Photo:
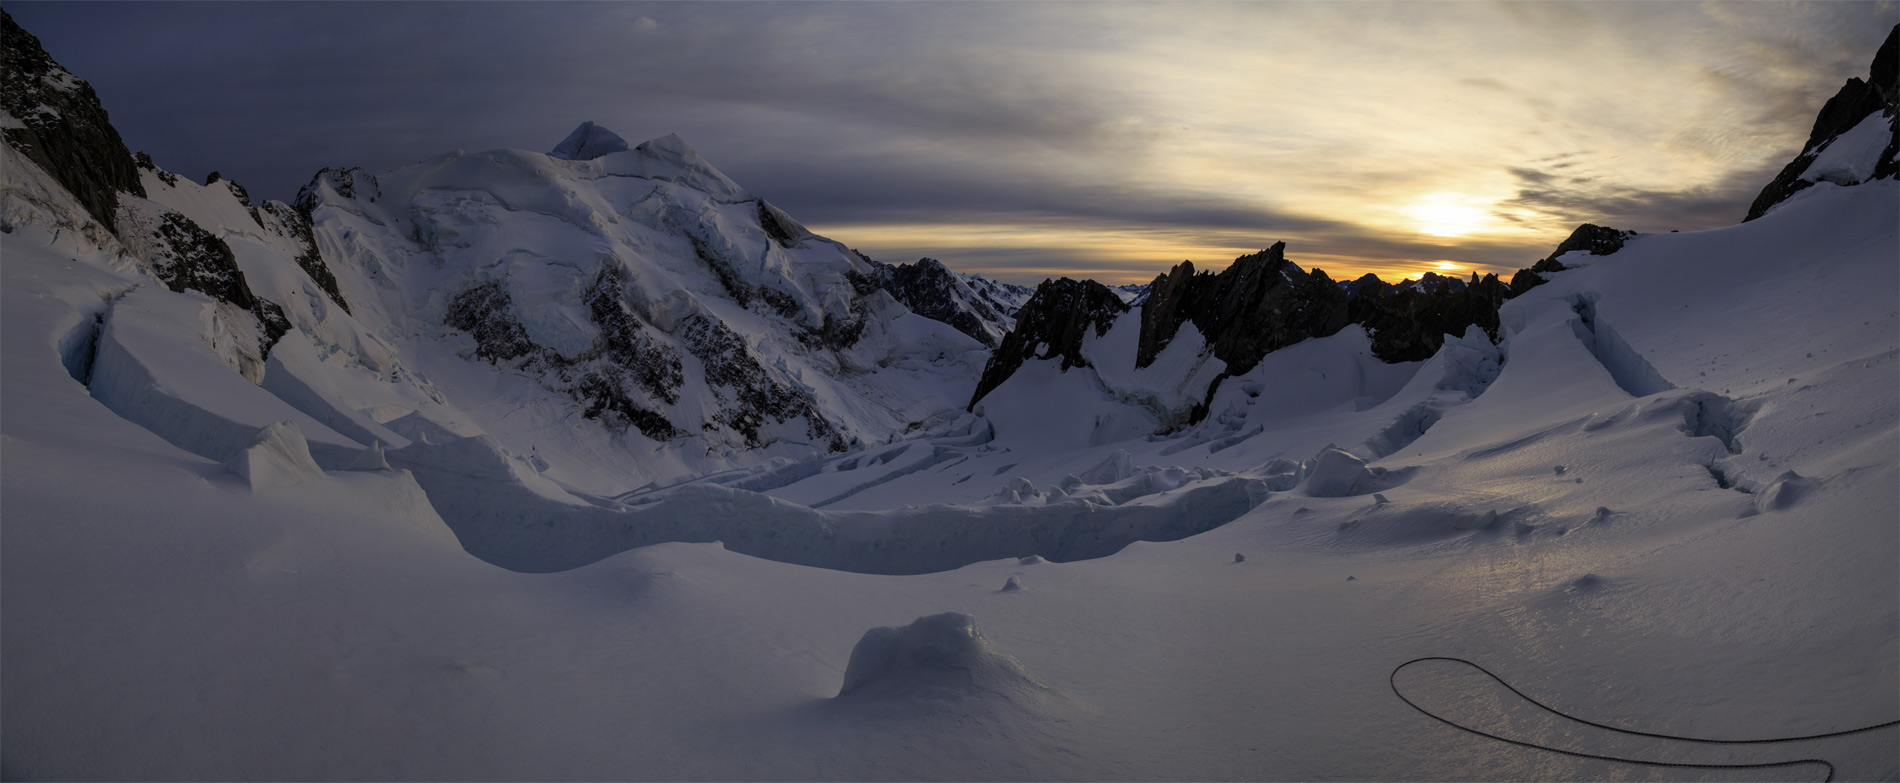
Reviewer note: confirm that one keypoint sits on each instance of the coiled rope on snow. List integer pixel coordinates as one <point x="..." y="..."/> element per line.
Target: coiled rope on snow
<point x="1392" y="680"/>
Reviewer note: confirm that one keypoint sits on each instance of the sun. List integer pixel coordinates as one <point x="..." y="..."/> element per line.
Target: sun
<point x="1446" y="215"/>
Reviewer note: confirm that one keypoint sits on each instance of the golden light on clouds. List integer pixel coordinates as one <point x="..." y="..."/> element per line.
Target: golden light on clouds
<point x="1389" y="138"/>
<point x="1447" y="215"/>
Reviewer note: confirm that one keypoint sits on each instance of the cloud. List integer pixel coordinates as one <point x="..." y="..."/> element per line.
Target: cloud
<point x="1561" y="199"/>
<point x="1124" y="136"/>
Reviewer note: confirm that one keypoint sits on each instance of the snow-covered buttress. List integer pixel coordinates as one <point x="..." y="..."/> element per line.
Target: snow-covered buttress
<point x="1855" y="137"/>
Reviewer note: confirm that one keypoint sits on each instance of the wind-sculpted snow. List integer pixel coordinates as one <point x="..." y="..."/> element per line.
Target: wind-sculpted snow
<point x="1335" y="473"/>
<point x="277" y="457"/>
<point x="156" y="366"/>
<point x="490" y="501"/>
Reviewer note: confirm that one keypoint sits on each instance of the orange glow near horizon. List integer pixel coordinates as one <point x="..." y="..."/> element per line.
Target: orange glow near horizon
<point x="1116" y="256"/>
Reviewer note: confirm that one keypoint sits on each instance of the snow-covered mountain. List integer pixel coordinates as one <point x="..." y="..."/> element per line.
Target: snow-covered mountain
<point x="635" y="297"/>
<point x="612" y="314"/>
<point x="362" y="487"/>
<point x="977" y="306"/>
<point x="1132" y="294"/>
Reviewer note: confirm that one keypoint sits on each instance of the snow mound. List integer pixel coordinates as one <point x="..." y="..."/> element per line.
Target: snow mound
<point x="277" y="457"/>
<point x="587" y="142"/>
<point x="1786" y="490"/>
<point x="1337" y="473"/>
<point x="943" y="656"/>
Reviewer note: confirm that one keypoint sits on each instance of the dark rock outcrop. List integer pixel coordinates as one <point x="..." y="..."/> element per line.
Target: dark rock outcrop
<point x="65" y="130"/>
<point x="1261" y="303"/>
<point x="750" y="397"/>
<point x="1594" y="239"/>
<point x="1591" y="238"/>
<point x="1408" y="323"/>
<point x="186" y="257"/>
<point x="1853" y="103"/>
<point x="780" y="226"/>
<point x="1053" y="323"/>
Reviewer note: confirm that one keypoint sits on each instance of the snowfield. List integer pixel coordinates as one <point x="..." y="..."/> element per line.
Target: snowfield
<point x="593" y="465"/>
<point x="1714" y="557"/>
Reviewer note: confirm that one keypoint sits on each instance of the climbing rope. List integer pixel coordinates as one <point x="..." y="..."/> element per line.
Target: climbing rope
<point x="1393" y="680"/>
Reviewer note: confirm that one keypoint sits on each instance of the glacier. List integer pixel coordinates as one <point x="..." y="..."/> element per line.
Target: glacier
<point x="594" y="464"/>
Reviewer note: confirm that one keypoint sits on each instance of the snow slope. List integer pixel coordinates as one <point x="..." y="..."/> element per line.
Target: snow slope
<point x="1570" y="535"/>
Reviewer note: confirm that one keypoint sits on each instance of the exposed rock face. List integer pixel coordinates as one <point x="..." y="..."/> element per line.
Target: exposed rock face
<point x="931" y="290"/>
<point x="750" y="396"/>
<point x="1408" y="322"/>
<point x="788" y="233"/>
<point x="1053" y="323"/>
<point x="1594" y="239"/>
<point x="187" y="257"/>
<point x="1855" y="102"/>
<point x="620" y="380"/>
<point x="63" y="128"/>
<point x="1261" y="303"/>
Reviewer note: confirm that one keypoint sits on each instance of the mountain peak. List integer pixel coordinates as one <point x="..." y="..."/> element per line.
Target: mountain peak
<point x="589" y="141"/>
<point x="671" y="146"/>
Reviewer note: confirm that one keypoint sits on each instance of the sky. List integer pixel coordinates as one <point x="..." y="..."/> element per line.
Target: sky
<point x="1025" y="140"/>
